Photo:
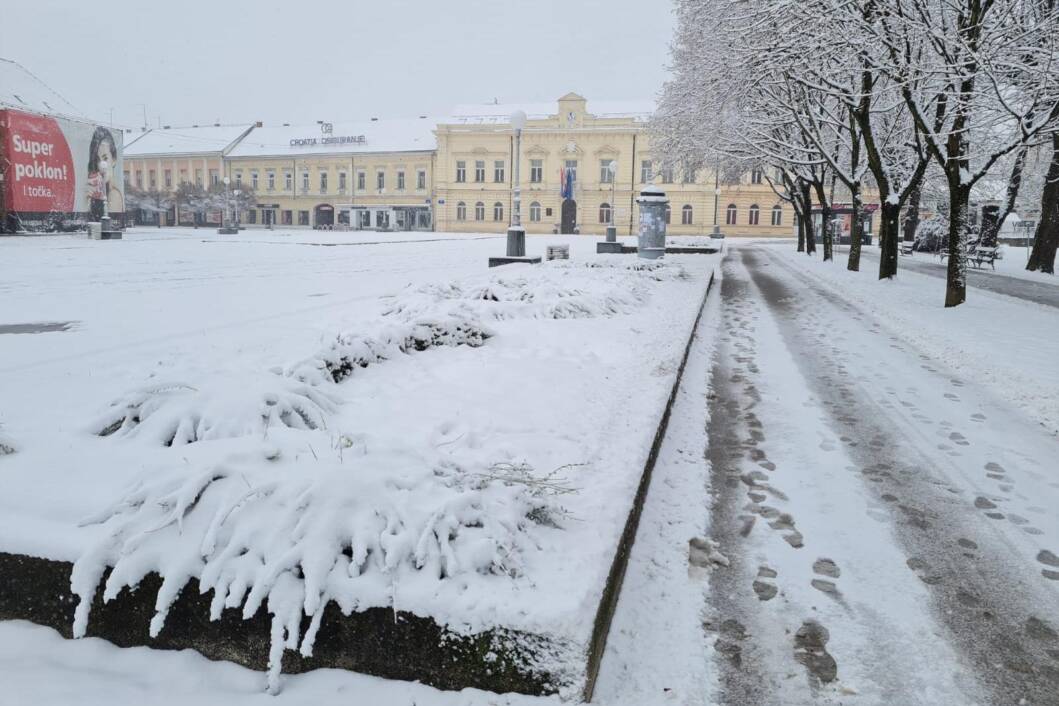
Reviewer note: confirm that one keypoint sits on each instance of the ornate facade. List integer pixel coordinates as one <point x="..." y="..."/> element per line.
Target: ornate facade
<point x="456" y="173"/>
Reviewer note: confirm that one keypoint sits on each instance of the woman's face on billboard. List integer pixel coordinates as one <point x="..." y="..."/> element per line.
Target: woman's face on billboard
<point x="106" y="152"/>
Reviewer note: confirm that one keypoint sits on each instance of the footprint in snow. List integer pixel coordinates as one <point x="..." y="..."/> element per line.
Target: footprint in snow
<point x="764" y="586"/>
<point x="1051" y="560"/>
<point x="810" y="650"/>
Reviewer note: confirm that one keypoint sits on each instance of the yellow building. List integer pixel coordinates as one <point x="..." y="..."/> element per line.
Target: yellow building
<point x="456" y="174"/>
<point x="374" y="174"/>
<point x="607" y="150"/>
<point x="165" y="158"/>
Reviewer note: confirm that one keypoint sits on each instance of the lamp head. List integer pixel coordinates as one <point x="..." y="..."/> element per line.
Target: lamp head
<point x="518" y="120"/>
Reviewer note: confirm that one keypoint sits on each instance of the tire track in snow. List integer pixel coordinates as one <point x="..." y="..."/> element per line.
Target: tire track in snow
<point x="817" y="606"/>
<point x="997" y="610"/>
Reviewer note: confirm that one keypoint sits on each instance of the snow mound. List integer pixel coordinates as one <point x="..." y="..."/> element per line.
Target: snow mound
<point x="561" y="290"/>
<point x="223" y="406"/>
<point x="351" y="351"/>
<point x="265" y="521"/>
<point x="345" y="528"/>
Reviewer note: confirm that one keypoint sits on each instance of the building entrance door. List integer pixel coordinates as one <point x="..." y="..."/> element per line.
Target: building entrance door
<point x="569" y="217"/>
<point x="325" y="215"/>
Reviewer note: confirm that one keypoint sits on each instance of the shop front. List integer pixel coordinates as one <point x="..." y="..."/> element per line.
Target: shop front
<point x="387" y="218"/>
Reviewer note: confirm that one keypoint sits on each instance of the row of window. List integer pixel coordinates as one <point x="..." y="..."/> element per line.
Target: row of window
<point x="606" y="213"/>
<point x="731" y="215"/>
<point x="288" y="183"/>
<point x="607" y="172"/>
<point x="479" y="211"/>
<point x="167" y="178"/>
<point x="362" y="178"/>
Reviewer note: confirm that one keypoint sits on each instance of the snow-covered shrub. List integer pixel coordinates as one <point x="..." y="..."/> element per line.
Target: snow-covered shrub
<point x="274" y="525"/>
<point x="932" y="235"/>
<point x="223" y="406"/>
<point x="561" y="290"/>
<point x="6" y="446"/>
<point x="360" y="532"/>
<point x="236" y="404"/>
<point x="348" y="352"/>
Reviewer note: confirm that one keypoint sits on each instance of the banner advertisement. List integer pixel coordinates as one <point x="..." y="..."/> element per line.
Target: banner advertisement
<point x="58" y="172"/>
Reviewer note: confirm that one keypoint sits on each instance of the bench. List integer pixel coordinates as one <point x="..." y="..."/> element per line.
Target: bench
<point x="906" y="247"/>
<point x="979" y="256"/>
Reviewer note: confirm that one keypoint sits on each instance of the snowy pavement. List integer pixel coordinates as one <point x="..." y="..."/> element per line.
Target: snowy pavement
<point x="856" y="502"/>
<point x="192" y="416"/>
<point x="891" y="523"/>
<point x="1008" y="278"/>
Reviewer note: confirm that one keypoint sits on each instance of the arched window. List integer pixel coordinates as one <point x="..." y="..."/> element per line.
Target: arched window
<point x="604" y="213"/>
<point x="461" y="211"/>
<point x="498" y="211"/>
<point x="686" y="215"/>
<point x="535" y="212"/>
<point x="479" y="211"/>
<point x="755" y="214"/>
<point x="669" y="214"/>
<point x="777" y="215"/>
<point x="729" y="217"/>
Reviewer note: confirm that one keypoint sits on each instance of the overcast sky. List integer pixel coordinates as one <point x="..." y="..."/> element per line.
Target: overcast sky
<point x="199" y="61"/>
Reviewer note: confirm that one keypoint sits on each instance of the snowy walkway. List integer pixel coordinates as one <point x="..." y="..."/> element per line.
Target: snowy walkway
<point x="884" y="490"/>
<point x="1033" y="287"/>
<point x="891" y="524"/>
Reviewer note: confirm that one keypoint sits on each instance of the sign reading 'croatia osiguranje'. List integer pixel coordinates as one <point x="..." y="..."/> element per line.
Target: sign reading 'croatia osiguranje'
<point x="58" y="166"/>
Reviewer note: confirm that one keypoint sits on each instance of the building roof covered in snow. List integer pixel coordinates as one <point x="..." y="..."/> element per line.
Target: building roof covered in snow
<point x="500" y="113"/>
<point x="347" y="137"/>
<point x="215" y="139"/>
<point x="21" y="90"/>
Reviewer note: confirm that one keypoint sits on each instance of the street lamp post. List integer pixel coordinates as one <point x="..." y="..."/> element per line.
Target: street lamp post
<point x="226" y="224"/>
<point x="104" y="169"/>
<point x="227" y="204"/>
<point x="716" y="202"/>
<point x="236" y="192"/>
<point x="516" y="234"/>
<point x="105" y="230"/>
<point x="612" y="230"/>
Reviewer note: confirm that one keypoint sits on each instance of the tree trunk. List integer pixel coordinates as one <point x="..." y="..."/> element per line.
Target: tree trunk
<point x="956" y="281"/>
<point x="889" y="230"/>
<point x="802" y="209"/>
<point x="829" y="241"/>
<point x="911" y="223"/>
<point x="810" y="235"/>
<point x="1042" y="257"/>
<point x="855" y="235"/>
<point x="826" y="215"/>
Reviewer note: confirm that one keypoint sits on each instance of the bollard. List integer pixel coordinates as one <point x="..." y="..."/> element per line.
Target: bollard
<point x="652" y="242"/>
<point x="516" y="241"/>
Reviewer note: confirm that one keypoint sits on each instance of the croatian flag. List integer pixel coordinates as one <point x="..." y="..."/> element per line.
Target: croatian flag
<point x="566" y="183"/>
